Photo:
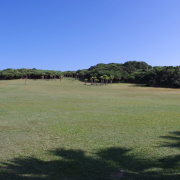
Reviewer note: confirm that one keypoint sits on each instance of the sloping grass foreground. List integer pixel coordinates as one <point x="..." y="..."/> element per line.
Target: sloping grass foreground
<point x="66" y="130"/>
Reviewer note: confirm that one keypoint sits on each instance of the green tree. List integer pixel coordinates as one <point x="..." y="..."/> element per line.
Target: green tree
<point x="111" y="78"/>
<point x="102" y="79"/>
<point x="85" y="81"/>
<point x="105" y="79"/>
<point x="95" y="81"/>
<point x="26" y="77"/>
<point x="92" y="80"/>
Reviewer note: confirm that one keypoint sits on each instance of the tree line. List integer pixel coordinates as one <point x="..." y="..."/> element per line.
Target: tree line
<point x="34" y="73"/>
<point x="129" y="72"/>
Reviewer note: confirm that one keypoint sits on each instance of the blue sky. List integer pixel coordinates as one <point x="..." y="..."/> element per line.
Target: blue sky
<point x="76" y="34"/>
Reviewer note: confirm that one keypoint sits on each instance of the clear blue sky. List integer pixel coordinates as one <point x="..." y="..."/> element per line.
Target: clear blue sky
<point x="76" y="34"/>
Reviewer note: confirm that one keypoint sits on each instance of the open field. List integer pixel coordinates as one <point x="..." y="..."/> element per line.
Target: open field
<point x="66" y="130"/>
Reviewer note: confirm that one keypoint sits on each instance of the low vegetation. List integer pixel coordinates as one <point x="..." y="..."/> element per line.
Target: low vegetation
<point x="68" y="130"/>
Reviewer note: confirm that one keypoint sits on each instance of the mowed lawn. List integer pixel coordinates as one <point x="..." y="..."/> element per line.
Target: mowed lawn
<point x="67" y="130"/>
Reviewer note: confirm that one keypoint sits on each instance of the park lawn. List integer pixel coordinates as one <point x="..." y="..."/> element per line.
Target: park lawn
<point x="67" y="130"/>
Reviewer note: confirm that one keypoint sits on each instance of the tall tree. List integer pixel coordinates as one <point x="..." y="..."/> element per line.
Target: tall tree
<point x="26" y="78"/>
<point x="111" y="78"/>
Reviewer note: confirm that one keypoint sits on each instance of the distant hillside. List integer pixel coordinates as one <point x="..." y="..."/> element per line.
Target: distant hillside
<point x="132" y="72"/>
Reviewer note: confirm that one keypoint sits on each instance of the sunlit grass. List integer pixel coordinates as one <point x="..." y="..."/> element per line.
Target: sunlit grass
<point x="46" y="115"/>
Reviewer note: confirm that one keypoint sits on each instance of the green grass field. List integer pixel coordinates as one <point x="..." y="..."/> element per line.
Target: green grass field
<point x="66" y="130"/>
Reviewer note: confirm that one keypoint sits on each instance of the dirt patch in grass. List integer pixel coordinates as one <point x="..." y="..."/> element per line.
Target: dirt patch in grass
<point x="5" y="128"/>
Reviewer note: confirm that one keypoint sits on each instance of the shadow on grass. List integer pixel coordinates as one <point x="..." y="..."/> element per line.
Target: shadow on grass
<point x="172" y="161"/>
<point x="145" y="85"/>
<point x="110" y="163"/>
<point x="139" y="85"/>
